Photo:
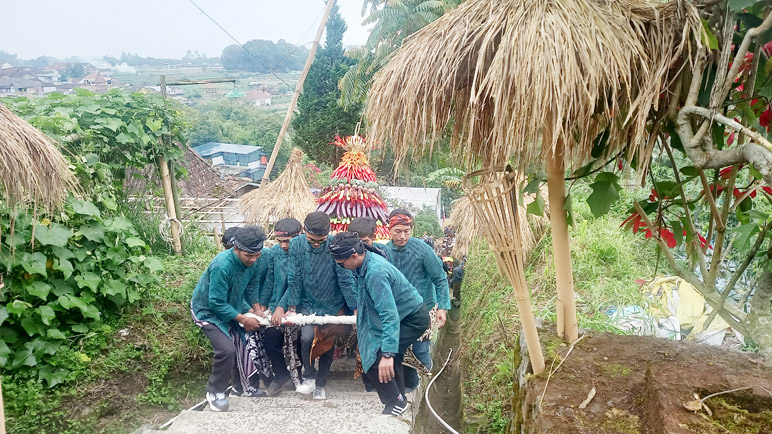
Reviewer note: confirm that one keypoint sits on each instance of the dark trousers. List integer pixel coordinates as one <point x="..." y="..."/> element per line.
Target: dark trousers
<point x="325" y="360"/>
<point x="224" y="367"/>
<point x="273" y="340"/>
<point x="410" y="329"/>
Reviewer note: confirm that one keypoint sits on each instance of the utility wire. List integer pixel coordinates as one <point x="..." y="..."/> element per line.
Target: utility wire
<point x="297" y="45"/>
<point x="239" y="43"/>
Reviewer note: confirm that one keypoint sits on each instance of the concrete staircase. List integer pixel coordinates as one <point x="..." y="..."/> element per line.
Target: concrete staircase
<point x="347" y="409"/>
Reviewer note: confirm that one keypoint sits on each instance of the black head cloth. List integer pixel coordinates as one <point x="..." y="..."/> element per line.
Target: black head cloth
<point x="317" y="223"/>
<point x="249" y="239"/>
<point x="288" y="227"/>
<point x="345" y="244"/>
<point x="228" y="235"/>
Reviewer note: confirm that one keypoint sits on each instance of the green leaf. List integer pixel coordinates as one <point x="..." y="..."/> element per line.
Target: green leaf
<point x="117" y="254"/>
<point x="154" y="124"/>
<point x="3" y="314"/>
<point x="678" y="232"/>
<point x="61" y="287"/>
<point x="52" y="235"/>
<point x="62" y="252"/>
<point x="39" y="290"/>
<point x="605" y="191"/>
<point x="119" y="224"/>
<point x="533" y="185"/>
<point x="46" y="314"/>
<point x="17" y="307"/>
<point x="83" y="207"/>
<point x="537" y="206"/>
<point x="88" y="280"/>
<point x="35" y="264"/>
<point x="744" y="234"/>
<point x="154" y="265"/>
<point x="689" y="171"/>
<point x="64" y="266"/>
<point x="56" y="334"/>
<point x="52" y="376"/>
<point x="94" y="231"/>
<point x="114" y="288"/>
<point x="123" y="138"/>
<point x="79" y="328"/>
<point x="738" y="6"/>
<point x="708" y="38"/>
<point x="92" y="312"/>
<point x="68" y="301"/>
<point x="569" y="208"/>
<point x="24" y="356"/>
<point x="4" y="353"/>
<point x="135" y="242"/>
<point x="31" y="326"/>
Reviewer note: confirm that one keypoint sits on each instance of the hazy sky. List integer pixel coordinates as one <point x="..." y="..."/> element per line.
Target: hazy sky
<point x="161" y="28"/>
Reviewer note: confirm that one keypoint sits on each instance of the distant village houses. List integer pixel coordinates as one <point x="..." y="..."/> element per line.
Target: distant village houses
<point x="28" y="81"/>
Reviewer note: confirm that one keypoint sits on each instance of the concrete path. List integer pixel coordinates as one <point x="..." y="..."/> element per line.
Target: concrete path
<point x="347" y="409"/>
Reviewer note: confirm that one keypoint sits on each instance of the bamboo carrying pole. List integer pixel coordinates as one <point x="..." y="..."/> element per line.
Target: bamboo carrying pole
<point x="296" y="95"/>
<point x="494" y="201"/>
<point x="173" y="177"/>
<point x="567" y="327"/>
<point x="168" y="196"/>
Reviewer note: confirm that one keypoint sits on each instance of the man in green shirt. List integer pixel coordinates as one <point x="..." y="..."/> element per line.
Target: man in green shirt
<point x="227" y="290"/>
<point x="423" y="269"/>
<point x="274" y="295"/>
<point x="391" y="315"/>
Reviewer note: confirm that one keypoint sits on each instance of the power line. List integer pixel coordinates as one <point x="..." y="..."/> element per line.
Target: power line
<point x="239" y="43"/>
<point x="297" y="44"/>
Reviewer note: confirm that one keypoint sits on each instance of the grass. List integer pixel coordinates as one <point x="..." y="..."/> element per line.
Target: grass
<point x="606" y="262"/>
<point x="144" y="365"/>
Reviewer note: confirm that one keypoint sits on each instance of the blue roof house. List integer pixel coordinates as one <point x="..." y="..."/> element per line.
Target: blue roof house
<point x="252" y="158"/>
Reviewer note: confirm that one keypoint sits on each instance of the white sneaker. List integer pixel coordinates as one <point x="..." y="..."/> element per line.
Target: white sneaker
<point x="307" y="386"/>
<point x="217" y="401"/>
<point x="319" y="393"/>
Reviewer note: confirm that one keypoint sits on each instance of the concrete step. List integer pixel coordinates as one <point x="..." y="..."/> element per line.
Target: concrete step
<point x="348" y="408"/>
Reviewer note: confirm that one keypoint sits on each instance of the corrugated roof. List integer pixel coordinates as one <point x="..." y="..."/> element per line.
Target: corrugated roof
<point x="211" y="148"/>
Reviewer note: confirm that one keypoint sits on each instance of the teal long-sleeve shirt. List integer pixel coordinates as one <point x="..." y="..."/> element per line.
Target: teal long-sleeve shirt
<point x="274" y="292"/>
<point x="384" y="299"/>
<point x="423" y="269"/>
<point x="226" y="289"/>
<point x="315" y="282"/>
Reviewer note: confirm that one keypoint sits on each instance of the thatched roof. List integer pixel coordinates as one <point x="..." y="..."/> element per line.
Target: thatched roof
<point x="31" y="166"/>
<point x="287" y="196"/>
<point x="515" y="77"/>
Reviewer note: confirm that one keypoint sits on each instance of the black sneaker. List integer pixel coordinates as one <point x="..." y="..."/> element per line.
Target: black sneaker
<point x="257" y="393"/>
<point x="397" y="408"/>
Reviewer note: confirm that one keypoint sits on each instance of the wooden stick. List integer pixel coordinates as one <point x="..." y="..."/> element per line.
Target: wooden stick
<point x="561" y="248"/>
<point x="167" y="185"/>
<point x="296" y="95"/>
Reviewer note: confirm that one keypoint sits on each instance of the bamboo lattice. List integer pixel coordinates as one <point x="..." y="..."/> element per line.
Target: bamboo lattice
<point x="494" y="200"/>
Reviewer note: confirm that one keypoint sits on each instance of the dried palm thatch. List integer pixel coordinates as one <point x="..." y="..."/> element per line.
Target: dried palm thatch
<point x="287" y="196"/>
<point x="518" y="76"/>
<point x="462" y="217"/>
<point x="32" y="169"/>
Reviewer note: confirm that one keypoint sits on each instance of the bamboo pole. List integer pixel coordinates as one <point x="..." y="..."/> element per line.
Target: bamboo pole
<point x="173" y="177"/>
<point x="296" y="95"/>
<point x="567" y="327"/>
<point x="167" y="186"/>
<point x="2" y="408"/>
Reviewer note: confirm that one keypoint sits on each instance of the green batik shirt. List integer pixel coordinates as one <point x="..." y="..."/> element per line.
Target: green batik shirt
<point x="274" y="292"/>
<point x="227" y="288"/>
<point x="315" y="282"/>
<point x="423" y="269"/>
<point x="384" y="299"/>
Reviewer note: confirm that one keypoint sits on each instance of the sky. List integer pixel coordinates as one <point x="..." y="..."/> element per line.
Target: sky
<point x="162" y="28"/>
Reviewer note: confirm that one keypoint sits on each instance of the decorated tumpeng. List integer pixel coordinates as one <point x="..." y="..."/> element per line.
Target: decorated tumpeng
<point x="353" y="190"/>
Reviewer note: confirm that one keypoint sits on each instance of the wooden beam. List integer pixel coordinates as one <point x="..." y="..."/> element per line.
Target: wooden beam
<point x="296" y="95"/>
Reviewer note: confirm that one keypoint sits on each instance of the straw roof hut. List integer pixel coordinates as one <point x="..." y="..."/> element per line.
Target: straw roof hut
<point x="517" y="76"/>
<point x="539" y="80"/>
<point x="32" y="169"/>
<point x="287" y="196"/>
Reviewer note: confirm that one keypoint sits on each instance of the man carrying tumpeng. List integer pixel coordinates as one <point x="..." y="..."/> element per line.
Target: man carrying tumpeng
<point x="316" y="285"/>
<point x="274" y="295"/>
<point x="391" y="315"/>
<point x="423" y="269"/>
<point x="227" y="290"/>
<point x="365" y="227"/>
